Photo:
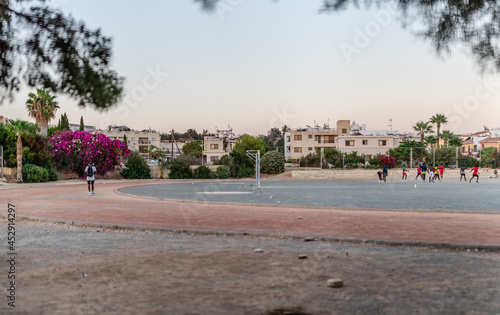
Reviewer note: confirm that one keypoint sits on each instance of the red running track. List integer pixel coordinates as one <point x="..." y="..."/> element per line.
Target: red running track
<point x="71" y="202"/>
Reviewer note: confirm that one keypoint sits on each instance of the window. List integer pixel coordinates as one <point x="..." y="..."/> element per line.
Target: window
<point x="329" y="139"/>
<point x="365" y="142"/>
<point x="297" y="150"/>
<point x="297" y="137"/>
<point x="310" y="148"/>
<point x="482" y="146"/>
<point x="310" y="136"/>
<point x="382" y="143"/>
<point x="349" y="143"/>
<point x="317" y="139"/>
<point x="344" y="130"/>
<point x="214" y="146"/>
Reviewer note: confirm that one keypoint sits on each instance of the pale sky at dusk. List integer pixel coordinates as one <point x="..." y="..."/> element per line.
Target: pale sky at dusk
<point x="265" y="63"/>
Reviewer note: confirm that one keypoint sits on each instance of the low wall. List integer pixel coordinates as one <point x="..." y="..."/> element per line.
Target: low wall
<point x="9" y="171"/>
<point x="394" y="173"/>
<point x="155" y="170"/>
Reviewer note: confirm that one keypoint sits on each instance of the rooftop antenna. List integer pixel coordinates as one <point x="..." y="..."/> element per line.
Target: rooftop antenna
<point x="390" y="123"/>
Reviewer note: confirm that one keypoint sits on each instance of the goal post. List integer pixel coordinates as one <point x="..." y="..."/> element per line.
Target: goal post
<point x="255" y="156"/>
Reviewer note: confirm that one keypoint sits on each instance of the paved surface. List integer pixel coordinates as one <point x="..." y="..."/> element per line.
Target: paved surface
<point x="69" y="201"/>
<point x="449" y="195"/>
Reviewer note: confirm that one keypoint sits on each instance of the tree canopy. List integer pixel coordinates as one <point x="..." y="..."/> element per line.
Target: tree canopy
<point x="42" y="47"/>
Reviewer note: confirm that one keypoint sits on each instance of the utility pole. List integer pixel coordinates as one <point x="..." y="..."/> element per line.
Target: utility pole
<point x="411" y="157"/>
<point x="1" y="159"/>
<point x="321" y="158"/>
<point x="173" y="140"/>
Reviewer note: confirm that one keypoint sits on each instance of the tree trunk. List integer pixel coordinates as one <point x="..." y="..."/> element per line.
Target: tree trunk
<point x="438" y="127"/>
<point x="19" y="159"/>
<point x="44" y="128"/>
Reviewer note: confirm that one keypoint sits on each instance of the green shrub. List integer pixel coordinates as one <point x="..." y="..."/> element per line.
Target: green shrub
<point x="224" y="160"/>
<point x="180" y="169"/>
<point x="310" y="160"/>
<point x="289" y="160"/>
<point x="272" y="162"/>
<point x="468" y="161"/>
<point x="52" y="173"/>
<point x="245" y="172"/>
<point x="222" y="172"/>
<point x="239" y="162"/>
<point x="136" y="167"/>
<point x="202" y="172"/>
<point x="34" y="174"/>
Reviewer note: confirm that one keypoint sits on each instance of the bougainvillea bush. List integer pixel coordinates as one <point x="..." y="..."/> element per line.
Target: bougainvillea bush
<point x="73" y="150"/>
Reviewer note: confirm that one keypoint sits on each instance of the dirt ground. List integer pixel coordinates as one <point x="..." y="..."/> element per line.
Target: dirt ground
<point x="65" y="269"/>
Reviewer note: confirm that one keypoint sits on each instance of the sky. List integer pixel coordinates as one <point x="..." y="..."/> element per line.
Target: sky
<point x="260" y="64"/>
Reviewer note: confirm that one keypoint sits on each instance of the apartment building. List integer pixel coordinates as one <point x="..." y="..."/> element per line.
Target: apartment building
<point x="472" y="145"/>
<point x="302" y="141"/>
<point x="369" y="145"/>
<point x="490" y="142"/>
<point x="169" y="147"/>
<point x="222" y="143"/>
<point x="76" y="127"/>
<point x="139" y="141"/>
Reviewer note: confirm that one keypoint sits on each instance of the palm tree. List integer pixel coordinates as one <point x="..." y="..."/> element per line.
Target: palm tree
<point x="42" y="106"/>
<point x="284" y="129"/>
<point x="438" y="120"/>
<point x="20" y="128"/>
<point x="163" y="163"/>
<point x="422" y="128"/>
<point x="431" y="140"/>
<point x="455" y="141"/>
<point x="447" y="136"/>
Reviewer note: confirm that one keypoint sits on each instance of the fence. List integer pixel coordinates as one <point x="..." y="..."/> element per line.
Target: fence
<point x="402" y="156"/>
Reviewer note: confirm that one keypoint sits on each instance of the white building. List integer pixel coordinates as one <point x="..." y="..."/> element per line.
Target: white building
<point x="215" y="147"/>
<point x="76" y="127"/>
<point x="139" y="141"/>
<point x="368" y="145"/>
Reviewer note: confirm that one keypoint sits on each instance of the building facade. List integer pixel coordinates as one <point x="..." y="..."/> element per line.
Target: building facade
<point x="171" y="148"/>
<point x="368" y="145"/>
<point x="222" y="143"/>
<point x="139" y="141"/>
<point x="490" y="142"/>
<point x="76" y="127"/>
<point x="303" y="141"/>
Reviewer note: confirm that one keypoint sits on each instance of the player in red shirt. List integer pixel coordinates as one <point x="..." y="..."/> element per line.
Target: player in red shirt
<point x="419" y="172"/>
<point x="441" y="172"/>
<point x="475" y="174"/>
